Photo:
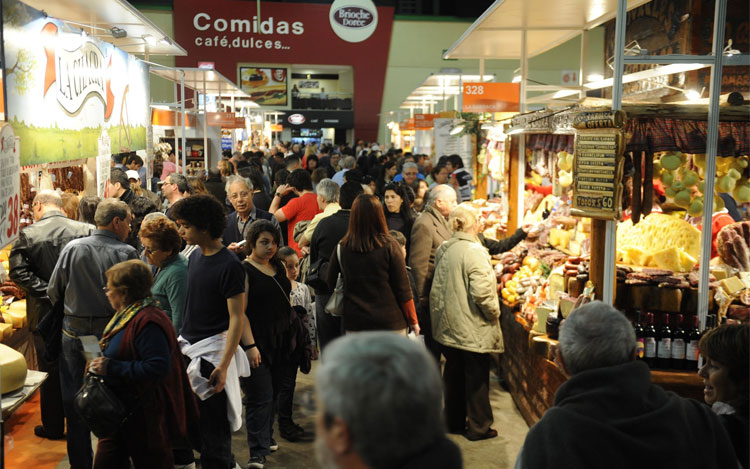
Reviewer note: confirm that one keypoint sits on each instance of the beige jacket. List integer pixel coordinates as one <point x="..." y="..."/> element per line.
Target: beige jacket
<point x="428" y="233"/>
<point x="464" y="306"/>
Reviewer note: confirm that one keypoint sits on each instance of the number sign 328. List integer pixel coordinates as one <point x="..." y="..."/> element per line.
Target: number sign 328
<point x="474" y="89"/>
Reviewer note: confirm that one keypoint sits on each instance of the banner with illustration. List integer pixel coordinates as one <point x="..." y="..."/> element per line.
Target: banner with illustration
<point x="65" y="88"/>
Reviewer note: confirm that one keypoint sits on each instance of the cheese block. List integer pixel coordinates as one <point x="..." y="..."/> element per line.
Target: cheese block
<point x="6" y="330"/>
<point x="668" y="259"/>
<point x="12" y="369"/>
<point x="687" y="262"/>
<point x="559" y="238"/>
<point x="634" y="255"/>
<point x="657" y="233"/>
<point x="16" y="314"/>
<point x="732" y="285"/>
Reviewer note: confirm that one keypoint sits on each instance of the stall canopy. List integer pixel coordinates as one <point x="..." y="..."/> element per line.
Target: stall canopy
<point x="495" y="34"/>
<point x="201" y="80"/>
<point x="439" y="87"/>
<point x="113" y="21"/>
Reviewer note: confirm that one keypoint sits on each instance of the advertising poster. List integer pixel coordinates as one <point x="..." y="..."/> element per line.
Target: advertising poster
<point x="10" y="186"/>
<point x="65" y="87"/>
<point x="266" y="86"/>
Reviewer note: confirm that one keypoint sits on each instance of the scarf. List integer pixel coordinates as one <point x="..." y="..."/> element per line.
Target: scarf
<point x="121" y="319"/>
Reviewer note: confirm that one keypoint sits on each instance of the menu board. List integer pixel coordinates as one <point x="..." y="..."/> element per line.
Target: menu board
<point x="266" y="86"/>
<point x="10" y="186"/>
<point x="597" y="174"/>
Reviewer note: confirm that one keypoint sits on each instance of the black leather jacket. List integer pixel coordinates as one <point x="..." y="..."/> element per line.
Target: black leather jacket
<point x="35" y="254"/>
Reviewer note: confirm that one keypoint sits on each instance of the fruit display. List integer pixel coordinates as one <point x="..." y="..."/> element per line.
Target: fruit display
<point x="521" y="278"/>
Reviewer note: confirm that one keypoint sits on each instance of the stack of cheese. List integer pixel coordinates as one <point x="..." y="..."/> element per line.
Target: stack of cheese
<point x="14" y="317"/>
<point x="659" y="241"/>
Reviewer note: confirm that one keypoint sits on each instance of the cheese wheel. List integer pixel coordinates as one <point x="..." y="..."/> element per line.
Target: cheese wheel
<point x="12" y="369"/>
<point x="17" y="314"/>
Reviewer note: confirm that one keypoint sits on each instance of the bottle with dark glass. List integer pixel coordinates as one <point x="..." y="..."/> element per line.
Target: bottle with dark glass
<point x="693" y="336"/>
<point x="649" y="341"/>
<point x="664" y="344"/>
<point x="640" y="343"/>
<point x="678" y="344"/>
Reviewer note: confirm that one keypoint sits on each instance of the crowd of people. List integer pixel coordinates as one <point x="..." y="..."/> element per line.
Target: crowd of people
<point x="209" y="294"/>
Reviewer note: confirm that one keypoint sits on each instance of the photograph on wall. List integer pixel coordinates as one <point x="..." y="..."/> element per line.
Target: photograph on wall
<point x="65" y="88"/>
<point x="266" y="86"/>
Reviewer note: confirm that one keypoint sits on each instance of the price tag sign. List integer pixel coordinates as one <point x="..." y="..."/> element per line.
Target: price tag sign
<point x="597" y="170"/>
<point x="491" y="97"/>
<point x="10" y="186"/>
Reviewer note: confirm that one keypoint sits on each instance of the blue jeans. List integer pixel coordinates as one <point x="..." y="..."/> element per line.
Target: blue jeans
<point x="72" y="367"/>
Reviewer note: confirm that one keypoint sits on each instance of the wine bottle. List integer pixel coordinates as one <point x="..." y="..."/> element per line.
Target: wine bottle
<point x="693" y="336"/>
<point x="639" y="337"/>
<point x="649" y="341"/>
<point x="664" y="344"/>
<point x="678" y="344"/>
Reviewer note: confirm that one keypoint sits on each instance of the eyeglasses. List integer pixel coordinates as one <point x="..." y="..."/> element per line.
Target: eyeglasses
<point x="241" y="195"/>
<point x="150" y="251"/>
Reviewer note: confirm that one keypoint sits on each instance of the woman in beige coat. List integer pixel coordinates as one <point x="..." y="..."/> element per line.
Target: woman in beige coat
<point x="465" y="314"/>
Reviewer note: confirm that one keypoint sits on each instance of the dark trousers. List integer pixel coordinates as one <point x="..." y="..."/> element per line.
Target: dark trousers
<point x="216" y="435"/>
<point x="261" y="391"/>
<point x="425" y="324"/>
<point x="139" y="440"/>
<point x="329" y="327"/>
<point x="72" y="367"/>
<point x="50" y="394"/>
<point x="467" y="391"/>
<point x="285" y="396"/>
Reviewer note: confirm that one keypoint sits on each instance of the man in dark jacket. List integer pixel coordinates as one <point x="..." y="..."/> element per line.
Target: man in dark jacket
<point x="32" y="261"/>
<point x="326" y="236"/>
<point x="610" y="414"/>
<point x="240" y="193"/>
<point x="397" y="423"/>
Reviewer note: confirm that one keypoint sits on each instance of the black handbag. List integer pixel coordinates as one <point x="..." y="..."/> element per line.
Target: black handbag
<point x="316" y="274"/>
<point x="99" y="407"/>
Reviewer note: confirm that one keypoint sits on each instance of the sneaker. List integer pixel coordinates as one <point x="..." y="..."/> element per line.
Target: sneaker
<point x="274" y="446"/>
<point x="256" y="462"/>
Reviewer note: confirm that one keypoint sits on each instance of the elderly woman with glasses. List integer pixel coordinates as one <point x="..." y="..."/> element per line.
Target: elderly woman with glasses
<point x="161" y="243"/>
<point x="143" y="366"/>
<point x="465" y="313"/>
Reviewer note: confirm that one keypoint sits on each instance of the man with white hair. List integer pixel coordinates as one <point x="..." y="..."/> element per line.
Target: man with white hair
<point x="429" y="231"/>
<point x="610" y="414"/>
<point x="380" y="405"/>
<point x="328" y="202"/>
<point x="240" y="194"/>
<point x="409" y="174"/>
<point x="32" y="260"/>
<point x="346" y="164"/>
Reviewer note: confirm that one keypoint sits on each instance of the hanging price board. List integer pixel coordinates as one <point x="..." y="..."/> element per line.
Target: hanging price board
<point x="10" y="186"/>
<point x="597" y="174"/>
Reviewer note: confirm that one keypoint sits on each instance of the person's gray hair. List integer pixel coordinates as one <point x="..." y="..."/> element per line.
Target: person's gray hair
<point x="108" y="210"/>
<point x="409" y="165"/>
<point x="348" y="162"/>
<point x="232" y="179"/>
<point x="153" y="216"/>
<point x="49" y="197"/>
<point x="463" y="217"/>
<point x="387" y="390"/>
<point x="180" y="181"/>
<point x="596" y="335"/>
<point x="329" y="190"/>
<point x="439" y="192"/>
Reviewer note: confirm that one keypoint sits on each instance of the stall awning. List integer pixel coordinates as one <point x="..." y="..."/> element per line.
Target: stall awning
<point x="99" y="17"/>
<point x="496" y="34"/>
<point x="201" y="80"/>
<point x="438" y="86"/>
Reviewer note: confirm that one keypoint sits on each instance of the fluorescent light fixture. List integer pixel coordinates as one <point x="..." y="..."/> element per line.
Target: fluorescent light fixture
<point x="149" y="39"/>
<point x="595" y="77"/>
<point x="564" y="93"/>
<point x="692" y="95"/>
<point x="516" y="79"/>
<point x="163" y="107"/>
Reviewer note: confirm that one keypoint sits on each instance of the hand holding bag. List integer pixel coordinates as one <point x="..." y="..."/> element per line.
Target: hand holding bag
<point x="99" y="407"/>
<point x="335" y="305"/>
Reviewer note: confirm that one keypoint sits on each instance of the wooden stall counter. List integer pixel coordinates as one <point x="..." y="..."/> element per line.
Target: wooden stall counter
<point x="533" y="378"/>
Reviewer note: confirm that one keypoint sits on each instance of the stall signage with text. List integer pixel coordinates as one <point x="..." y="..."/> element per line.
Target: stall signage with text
<point x="221" y="119"/>
<point x="491" y="97"/>
<point x="10" y="186"/>
<point x="597" y="173"/>
<point x="64" y="87"/>
<point x="424" y="121"/>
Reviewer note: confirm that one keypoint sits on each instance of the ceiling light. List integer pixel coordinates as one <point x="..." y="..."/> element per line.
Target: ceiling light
<point x="564" y="93"/>
<point x="516" y="79"/>
<point x="692" y="95"/>
<point x="595" y="77"/>
<point x="457" y="129"/>
<point x="517" y="129"/>
<point x="149" y="39"/>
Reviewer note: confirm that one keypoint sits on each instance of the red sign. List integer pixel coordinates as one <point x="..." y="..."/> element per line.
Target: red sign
<point x="491" y="97"/>
<point x="424" y="121"/>
<point x="206" y="65"/>
<point x="226" y="33"/>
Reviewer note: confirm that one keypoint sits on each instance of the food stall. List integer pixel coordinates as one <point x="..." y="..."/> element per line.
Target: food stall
<point x="602" y="159"/>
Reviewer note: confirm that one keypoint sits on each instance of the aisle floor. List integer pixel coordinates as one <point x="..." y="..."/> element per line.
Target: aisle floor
<point x="497" y="453"/>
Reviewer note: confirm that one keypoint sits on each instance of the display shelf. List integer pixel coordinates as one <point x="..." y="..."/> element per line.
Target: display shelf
<point x="190" y="142"/>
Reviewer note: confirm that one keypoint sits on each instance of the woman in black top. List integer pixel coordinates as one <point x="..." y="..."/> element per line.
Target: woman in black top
<point x="268" y="309"/>
<point x="397" y="200"/>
